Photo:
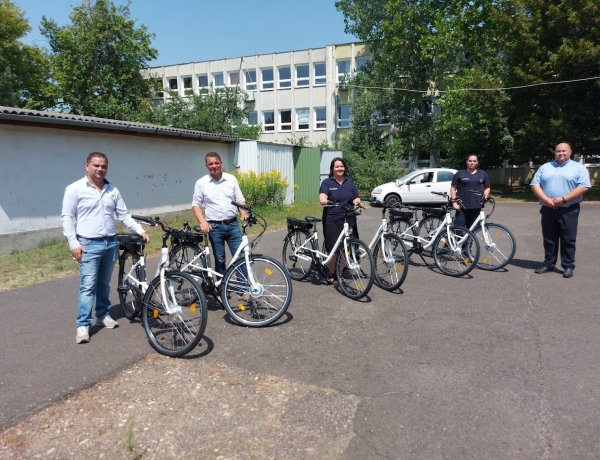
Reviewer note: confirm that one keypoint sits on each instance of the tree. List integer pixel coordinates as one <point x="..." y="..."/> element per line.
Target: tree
<point x="96" y="61"/>
<point x="23" y="69"/>
<point x="558" y="41"/>
<point x="214" y="111"/>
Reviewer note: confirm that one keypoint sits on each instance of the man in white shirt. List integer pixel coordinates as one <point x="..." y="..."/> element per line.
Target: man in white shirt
<point x="88" y="218"/>
<point x="211" y="204"/>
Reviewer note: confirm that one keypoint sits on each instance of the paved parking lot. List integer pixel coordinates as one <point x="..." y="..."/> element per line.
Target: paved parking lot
<point x="493" y="365"/>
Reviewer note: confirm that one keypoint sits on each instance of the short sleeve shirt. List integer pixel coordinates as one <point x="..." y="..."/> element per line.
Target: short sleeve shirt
<point x="215" y="196"/>
<point x="343" y="194"/>
<point x="557" y="180"/>
<point x="466" y="184"/>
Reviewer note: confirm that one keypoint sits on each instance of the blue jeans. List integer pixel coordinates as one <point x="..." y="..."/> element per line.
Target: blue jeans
<point x="220" y="234"/>
<point x="95" y="271"/>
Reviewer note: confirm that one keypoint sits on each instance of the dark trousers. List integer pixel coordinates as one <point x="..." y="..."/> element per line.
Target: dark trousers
<point x="466" y="217"/>
<point x="559" y="228"/>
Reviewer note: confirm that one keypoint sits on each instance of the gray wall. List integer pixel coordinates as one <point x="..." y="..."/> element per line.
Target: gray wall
<point x="154" y="175"/>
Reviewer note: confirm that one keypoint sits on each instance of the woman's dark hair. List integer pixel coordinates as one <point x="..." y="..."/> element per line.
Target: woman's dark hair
<point x="333" y="162"/>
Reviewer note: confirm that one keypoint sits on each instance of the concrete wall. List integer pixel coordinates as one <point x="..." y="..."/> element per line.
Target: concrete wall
<point x="154" y="175"/>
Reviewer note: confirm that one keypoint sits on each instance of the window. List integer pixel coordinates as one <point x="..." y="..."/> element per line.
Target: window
<point x="444" y="176"/>
<point x="343" y="70"/>
<point x="285" y="120"/>
<point x="320" y="73"/>
<point x="285" y="77"/>
<point x="302" y="75"/>
<point x="361" y="61"/>
<point x="218" y="80"/>
<point x="267" y="78"/>
<point x="382" y="120"/>
<point x="250" y="76"/>
<point x="234" y="78"/>
<point x="268" y="121"/>
<point x="252" y="118"/>
<point x="172" y="83"/>
<point x="344" y="116"/>
<point x="203" y="81"/>
<point x="187" y="82"/>
<point x="320" y="118"/>
<point x="302" y="119"/>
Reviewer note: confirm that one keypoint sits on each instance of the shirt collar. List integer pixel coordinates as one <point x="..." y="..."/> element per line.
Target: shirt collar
<point x="556" y="164"/>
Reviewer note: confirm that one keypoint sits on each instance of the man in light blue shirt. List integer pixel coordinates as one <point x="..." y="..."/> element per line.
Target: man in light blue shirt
<point x="560" y="185"/>
<point x="88" y="218"/>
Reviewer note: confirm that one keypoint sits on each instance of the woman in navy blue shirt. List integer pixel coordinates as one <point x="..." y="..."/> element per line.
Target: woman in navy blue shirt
<point x="338" y="188"/>
<point x="470" y="185"/>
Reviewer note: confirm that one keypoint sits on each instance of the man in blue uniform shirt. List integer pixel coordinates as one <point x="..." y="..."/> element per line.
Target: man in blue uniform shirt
<point x="560" y="185"/>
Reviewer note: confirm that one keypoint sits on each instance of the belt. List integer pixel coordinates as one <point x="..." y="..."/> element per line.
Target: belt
<point x="223" y="222"/>
<point x="112" y="237"/>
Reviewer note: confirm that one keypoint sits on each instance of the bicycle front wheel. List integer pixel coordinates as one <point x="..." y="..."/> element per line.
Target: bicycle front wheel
<point x="391" y="262"/>
<point x="297" y="256"/>
<point x="355" y="269"/>
<point x="174" y="328"/>
<point x="456" y="251"/>
<point x="498" y="250"/>
<point x="130" y="294"/>
<point x="260" y="303"/>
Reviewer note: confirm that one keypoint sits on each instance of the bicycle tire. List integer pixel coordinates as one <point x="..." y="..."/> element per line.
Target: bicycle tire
<point x="355" y="269"/>
<point x="456" y="261"/>
<point x="500" y="252"/>
<point x="179" y="332"/>
<point x="130" y="294"/>
<point x="391" y="262"/>
<point x="297" y="268"/>
<point x="427" y="226"/>
<point x="264" y="302"/>
<point x="182" y="254"/>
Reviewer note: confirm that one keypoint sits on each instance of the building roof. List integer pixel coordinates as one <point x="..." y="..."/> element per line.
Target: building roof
<point x="13" y="115"/>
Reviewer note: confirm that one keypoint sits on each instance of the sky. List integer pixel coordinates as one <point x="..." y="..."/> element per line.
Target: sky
<point x="202" y="30"/>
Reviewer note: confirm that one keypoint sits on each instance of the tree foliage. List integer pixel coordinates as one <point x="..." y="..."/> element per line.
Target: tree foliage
<point x="214" y="111"/>
<point x="558" y="41"/>
<point x="96" y="61"/>
<point x="468" y="49"/>
<point x="23" y="69"/>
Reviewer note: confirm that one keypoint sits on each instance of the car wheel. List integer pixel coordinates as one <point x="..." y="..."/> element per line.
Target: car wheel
<point x="392" y="200"/>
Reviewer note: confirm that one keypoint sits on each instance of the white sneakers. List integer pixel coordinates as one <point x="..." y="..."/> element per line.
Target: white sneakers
<point x="107" y="322"/>
<point x="83" y="332"/>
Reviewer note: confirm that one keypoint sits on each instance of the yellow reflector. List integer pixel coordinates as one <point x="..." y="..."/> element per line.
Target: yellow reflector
<point x="242" y="307"/>
<point x="498" y="233"/>
<point x="399" y="267"/>
<point x="268" y="271"/>
<point x="155" y="313"/>
<point x="466" y="260"/>
<point x="193" y="308"/>
<point x="486" y="261"/>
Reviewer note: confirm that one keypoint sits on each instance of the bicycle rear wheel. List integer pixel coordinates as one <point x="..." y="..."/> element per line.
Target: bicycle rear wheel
<point x="180" y="258"/>
<point x="263" y="302"/>
<point x="176" y="328"/>
<point x="355" y="269"/>
<point x="456" y="251"/>
<point x="500" y="248"/>
<point x="297" y="261"/>
<point x="130" y="294"/>
<point x="391" y="262"/>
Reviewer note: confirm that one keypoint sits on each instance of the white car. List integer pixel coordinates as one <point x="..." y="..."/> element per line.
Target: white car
<point x="415" y="188"/>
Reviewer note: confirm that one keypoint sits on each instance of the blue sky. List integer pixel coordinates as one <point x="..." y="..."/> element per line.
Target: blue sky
<point x="200" y="30"/>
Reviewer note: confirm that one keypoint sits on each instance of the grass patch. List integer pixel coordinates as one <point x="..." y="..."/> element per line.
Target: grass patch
<point x="53" y="259"/>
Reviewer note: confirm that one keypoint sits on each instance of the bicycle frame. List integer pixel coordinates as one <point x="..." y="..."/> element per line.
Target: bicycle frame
<point x="321" y="257"/>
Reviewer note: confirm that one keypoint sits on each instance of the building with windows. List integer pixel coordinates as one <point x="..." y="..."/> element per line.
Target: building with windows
<point x="297" y="96"/>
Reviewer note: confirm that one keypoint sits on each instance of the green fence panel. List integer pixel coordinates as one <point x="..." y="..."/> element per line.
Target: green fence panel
<point x="307" y="173"/>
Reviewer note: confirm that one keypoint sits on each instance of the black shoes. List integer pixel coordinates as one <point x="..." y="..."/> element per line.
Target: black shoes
<point x="567" y="273"/>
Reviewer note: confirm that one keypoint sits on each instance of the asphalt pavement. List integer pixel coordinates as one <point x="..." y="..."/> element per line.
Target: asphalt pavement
<point x="491" y="365"/>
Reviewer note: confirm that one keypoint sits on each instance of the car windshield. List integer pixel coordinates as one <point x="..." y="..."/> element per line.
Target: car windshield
<point x="405" y="177"/>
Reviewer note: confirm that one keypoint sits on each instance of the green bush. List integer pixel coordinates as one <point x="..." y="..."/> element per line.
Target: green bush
<point x="262" y="189"/>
